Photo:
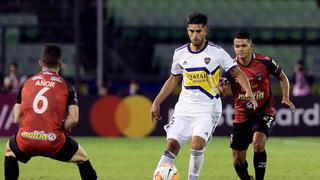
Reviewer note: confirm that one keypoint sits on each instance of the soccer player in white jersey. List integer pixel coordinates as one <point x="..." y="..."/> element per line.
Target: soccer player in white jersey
<point x="199" y="108"/>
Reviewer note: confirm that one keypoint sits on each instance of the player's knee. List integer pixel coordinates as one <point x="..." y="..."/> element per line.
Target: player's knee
<point x="173" y="146"/>
<point x="198" y="143"/>
<point x="81" y="156"/>
<point x="197" y="146"/>
<point x="258" y="146"/>
<point x="238" y="160"/>
<point x="84" y="157"/>
<point x="239" y="157"/>
<point x="81" y="159"/>
<point x="8" y="151"/>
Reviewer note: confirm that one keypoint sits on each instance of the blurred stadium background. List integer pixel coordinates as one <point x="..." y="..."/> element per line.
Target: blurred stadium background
<point x="115" y="47"/>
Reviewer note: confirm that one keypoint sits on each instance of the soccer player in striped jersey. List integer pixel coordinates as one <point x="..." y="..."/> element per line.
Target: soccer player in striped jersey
<point x="253" y="125"/>
<point x="198" y="65"/>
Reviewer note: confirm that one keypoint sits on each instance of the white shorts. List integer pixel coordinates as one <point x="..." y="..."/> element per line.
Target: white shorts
<point x="182" y="128"/>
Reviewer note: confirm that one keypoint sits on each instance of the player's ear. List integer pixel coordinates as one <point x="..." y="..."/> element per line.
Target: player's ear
<point x="207" y="29"/>
<point x="60" y="64"/>
<point x="40" y="63"/>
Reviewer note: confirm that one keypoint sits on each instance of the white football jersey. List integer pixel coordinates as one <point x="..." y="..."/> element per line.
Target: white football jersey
<point x="201" y="72"/>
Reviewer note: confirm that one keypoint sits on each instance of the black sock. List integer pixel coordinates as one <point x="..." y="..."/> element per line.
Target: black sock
<point x="11" y="168"/>
<point x="260" y="164"/>
<point x="242" y="170"/>
<point x="86" y="171"/>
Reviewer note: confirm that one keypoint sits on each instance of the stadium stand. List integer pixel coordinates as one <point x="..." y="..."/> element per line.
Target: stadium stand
<point x="254" y="13"/>
<point x="287" y="30"/>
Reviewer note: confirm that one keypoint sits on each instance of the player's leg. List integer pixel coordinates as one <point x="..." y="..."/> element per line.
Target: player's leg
<point x="178" y="133"/>
<point x="85" y="168"/>
<point x="203" y="128"/>
<point x="170" y="153"/>
<point x="240" y="139"/>
<point x="11" y="167"/>
<point x="73" y="152"/>
<point x="12" y="156"/>
<point x="240" y="163"/>
<point x="196" y="157"/>
<point x="261" y="130"/>
<point x="260" y="155"/>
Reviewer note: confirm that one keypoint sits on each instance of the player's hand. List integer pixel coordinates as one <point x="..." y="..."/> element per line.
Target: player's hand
<point x="286" y="101"/>
<point x="67" y="132"/>
<point x="253" y="100"/>
<point x="155" y="113"/>
<point x="222" y="85"/>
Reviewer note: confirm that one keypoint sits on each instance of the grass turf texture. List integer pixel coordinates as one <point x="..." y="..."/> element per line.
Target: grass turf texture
<point x="135" y="159"/>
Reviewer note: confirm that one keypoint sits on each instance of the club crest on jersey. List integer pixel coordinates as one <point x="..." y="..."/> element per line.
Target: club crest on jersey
<point x="259" y="76"/>
<point x="207" y="60"/>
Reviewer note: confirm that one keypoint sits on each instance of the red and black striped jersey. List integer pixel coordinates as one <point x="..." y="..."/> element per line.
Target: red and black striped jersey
<point x="258" y="72"/>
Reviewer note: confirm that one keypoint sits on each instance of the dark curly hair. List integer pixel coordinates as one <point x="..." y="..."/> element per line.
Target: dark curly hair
<point x="197" y="18"/>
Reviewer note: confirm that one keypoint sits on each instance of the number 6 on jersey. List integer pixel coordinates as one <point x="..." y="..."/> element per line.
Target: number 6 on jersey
<point x="39" y="97"/>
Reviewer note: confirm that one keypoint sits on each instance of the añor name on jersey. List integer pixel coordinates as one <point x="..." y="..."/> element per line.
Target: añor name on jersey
<point x="45" y="83"/>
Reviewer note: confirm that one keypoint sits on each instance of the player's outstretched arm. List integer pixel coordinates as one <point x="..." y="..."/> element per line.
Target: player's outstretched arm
<point x="17" y="113"/>
<point x="285" y="89"/>
<point x="244" y="82"/>
<point x="169" y="86"/>
<point x="72" y="118"/>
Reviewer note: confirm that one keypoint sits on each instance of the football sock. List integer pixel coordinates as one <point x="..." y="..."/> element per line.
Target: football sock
<point x="242" y="170"/>
<point x="193" y="177"/>
<point x="86" y="171"/>
<point x="195" y="164"/>
<point x="167" y="157"/>
<point x="260" y="162"/>
<point x="11" y="168"/>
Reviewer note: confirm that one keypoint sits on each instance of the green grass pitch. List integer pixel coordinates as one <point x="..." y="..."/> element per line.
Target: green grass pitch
<point x="135" y="159"/>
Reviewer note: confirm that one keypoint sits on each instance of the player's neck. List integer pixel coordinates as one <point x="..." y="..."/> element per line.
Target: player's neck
<point x="197" y="48"/>
<point x="50" y="69"/>
<point x="245" y="61"/>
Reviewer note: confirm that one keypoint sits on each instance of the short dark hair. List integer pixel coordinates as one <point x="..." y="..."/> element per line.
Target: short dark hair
<point x="14" y="64"/>
<point x="197" y="18"/>
<point x="242" y="35"/>
<point x="51" y="55"/>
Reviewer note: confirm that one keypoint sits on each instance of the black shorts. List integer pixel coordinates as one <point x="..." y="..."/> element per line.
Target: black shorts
<point x="65" y="154"/>
<point x="242" y="133"/>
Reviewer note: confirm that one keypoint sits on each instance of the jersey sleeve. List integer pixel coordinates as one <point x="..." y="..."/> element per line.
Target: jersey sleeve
<point x="175" y="67"/>
<point x="72" y="96"/>
<point x="226" y="62"/>
<point x="273" y="67"/>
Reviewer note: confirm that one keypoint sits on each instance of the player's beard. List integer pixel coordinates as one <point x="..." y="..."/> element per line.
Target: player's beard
<point x="197" y="43"/>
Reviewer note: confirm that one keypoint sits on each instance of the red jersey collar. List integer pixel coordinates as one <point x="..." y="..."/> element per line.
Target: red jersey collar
<point x="50" y="71"/>
<point x="252" y="58"/>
